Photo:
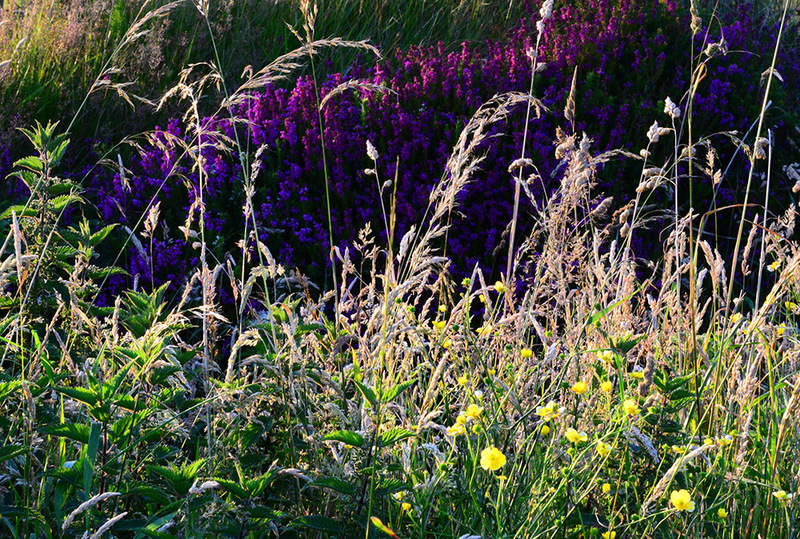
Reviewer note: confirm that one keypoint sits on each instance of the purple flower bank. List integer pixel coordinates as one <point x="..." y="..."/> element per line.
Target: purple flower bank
<point x="629" y="55"/>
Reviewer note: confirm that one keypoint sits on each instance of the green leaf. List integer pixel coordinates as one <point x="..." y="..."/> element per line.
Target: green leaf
<point x="8" y="452"/>
<point x="86" y="396"/>
<point x="346" y="436"/>
<point x="7" y="388"/>
<point x="79" y="433"/>
<point x="395" y="391"/>
<point x="342" y="487"/>
<point x="233" y="487"/>
<point x="390" y="486"/>
<point x="318" y="523"/>
<point x="31" y="163"/>
<point x="394" y="435"/>
<point x="100" y="235"/>
<point x="368" y="394"/>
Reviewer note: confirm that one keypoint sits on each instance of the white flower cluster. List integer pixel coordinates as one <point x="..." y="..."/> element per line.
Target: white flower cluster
<point x="671" y="108"/>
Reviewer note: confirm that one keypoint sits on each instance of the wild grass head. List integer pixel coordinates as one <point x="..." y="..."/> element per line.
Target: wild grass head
<point x="471" y="289"/>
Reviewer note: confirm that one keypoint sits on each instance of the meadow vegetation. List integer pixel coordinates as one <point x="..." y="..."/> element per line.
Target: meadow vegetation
<point x="544" y="283"/>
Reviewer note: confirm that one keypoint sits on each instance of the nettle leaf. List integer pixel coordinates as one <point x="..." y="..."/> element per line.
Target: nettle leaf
<point x="397" y="390"/>
<point x="233" y="487"/>
<point x="7" y="388"/>
<point x="8" y="452"/>
<point x="338" y="485"/>
<point x="390" y="486"/>
<point x="79" y="433"/>
<point x="81" y="394"/>
<point x="345" y="436"/>
<point x="368" y="394"/>
<point x="318" y="523"/>
<point x="395" y="435"/>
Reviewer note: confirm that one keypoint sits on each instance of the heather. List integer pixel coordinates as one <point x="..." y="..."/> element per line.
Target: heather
<point x="623" y="55"/>
<point x="392" y="301"/>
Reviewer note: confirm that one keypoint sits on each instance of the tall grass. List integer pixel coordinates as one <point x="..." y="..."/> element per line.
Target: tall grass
<point x="404" y="403"/>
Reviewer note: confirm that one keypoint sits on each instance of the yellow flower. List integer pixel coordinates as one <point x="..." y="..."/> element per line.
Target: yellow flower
<point x="545" y="430"/>
<point x="682" y="500"/>
<point x="406" y="506"/>
<point x="637" y="375"/>
<point x="735" y="317"/>
<point x="483" y="331"/>
<point x="462" y="380"/>
<point x="439" y="324"/>
<point x="722" y="513"/>
<point x="549" y="411"/>
<point x="783" y="496"/>
<point x="442" y="308"/>
<point x="574" y="436"/>
<point x="781" y="330"/>
<point x="790" y="306"/>
<point x="473" y="411"/>
<point x="492" y="372"/>
<point x="447" y="343"/>
<point x="579" y="388"/>
<point x="492" y="458"/>
<point x="603" y="449"/>
<point x="606" y="356"/>
<point x="775" y="265"/>
<point x="500" y="287"/>
<point x="630" y="407"/>
<point x="525" y="353"/>
<point x="607" y="386"/>
<point x="456" y="429"/>
<point x="606" y="488"/>
<point x="609" y="535"/>
<point x="461" y="419"/>
<point x="502" y="477"/>
<point x="482" y="298"/>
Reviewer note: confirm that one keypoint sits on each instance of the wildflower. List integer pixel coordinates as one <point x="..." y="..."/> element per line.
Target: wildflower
<point x="671" y="108"/>
<point x="492" y="458"/>
<point x="722" y="513"/>
<point x="609" y="535"/>
<point x="442" y="308"/>
<point x="545" y="430"/>
<point x="482" y="298"/>
<point x="500" y="287"/>
<point x="406" y="506"/>
<point x="525" y="353"/>
<point x="483" y="331"/>
<point x="447" y="343"/>
<point x="462" y="380"/>
<point x="606" y="356"/>
<point x="579" y="388"/>
<point x="791" y="306"/>
<point x="783" y="496"/>
<point x="492" y="372"/>
<point x="439" y="324"/>
<point x="603" y="449"/>
<point x="461" y="419"/>
<point x="606" y="386"/>
<point x="502" y="477"/>
<point x="630" y="407"/>
<point x="473" y="411"/>
<point x="479" y="394"/>
<point x="549" y="411"/>
<point x="735" y="318"/>
<point x="456" y="430"/>
<point x="574" y="436"/>
<point x="636" y="375"/>
<point x="781" y="330"/>
<point x="774" y="266"/>
<point x="606" y="488"/>
<point x="546" y="10"/>
<point x="682" y="500"/>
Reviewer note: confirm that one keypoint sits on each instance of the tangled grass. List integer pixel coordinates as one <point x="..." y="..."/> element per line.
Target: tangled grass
<point x="604" y="395"/>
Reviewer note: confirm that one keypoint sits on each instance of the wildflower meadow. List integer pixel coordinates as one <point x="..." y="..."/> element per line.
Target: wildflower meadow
<point x="366" y="269"/>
